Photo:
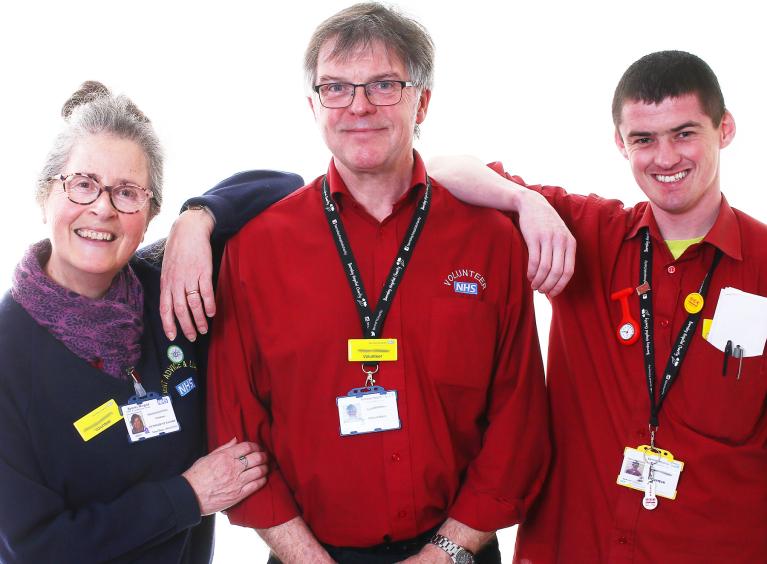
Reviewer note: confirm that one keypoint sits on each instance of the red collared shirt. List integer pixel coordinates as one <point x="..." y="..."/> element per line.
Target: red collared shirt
<point x="600" y="404"/>
<point x="471" y="397"/>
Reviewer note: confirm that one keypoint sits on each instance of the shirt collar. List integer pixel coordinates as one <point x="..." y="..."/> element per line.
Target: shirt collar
<point x="724" y="234"/>
<point x="339" y="191"/>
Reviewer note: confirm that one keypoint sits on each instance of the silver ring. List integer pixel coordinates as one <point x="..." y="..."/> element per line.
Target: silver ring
<point x="244" y="460"/>
<point x="191" y="292"/>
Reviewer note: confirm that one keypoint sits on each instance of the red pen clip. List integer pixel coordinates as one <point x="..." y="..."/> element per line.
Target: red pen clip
<point x="628" y="330"/>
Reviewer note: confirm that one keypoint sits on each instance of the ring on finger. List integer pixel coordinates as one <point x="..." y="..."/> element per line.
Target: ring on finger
<point x="244" y="460"/>
<point x="191" y="292"/>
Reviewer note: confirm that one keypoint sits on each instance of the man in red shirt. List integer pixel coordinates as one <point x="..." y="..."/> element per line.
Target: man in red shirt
<point x="656" y="356"/>
<point x="373" y="291"/>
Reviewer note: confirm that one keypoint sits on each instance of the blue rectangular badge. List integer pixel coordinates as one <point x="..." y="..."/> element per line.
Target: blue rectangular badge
<point x="185" y="387"/>
<point x="466" y="287"/>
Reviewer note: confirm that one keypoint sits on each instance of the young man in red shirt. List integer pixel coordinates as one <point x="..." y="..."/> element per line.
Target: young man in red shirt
<point x="650" y="360"/>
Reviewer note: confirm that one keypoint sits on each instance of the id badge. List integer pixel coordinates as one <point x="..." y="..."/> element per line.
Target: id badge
<point x="149" y="416"/>
<point x="636" y="466"/>
<point x="98" y="420"/>
<point x="372" y="350"/>
<point x="368" y="410"/>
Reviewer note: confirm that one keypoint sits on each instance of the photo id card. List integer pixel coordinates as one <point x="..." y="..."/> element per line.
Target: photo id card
<point x="368" y="410"/>
<point x="635" y="471"/>
<point x="149" y="417"/>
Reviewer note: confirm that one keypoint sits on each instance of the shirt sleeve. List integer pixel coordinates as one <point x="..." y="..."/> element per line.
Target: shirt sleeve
<point x="37" y="524"/>
<point x="508" y="473"/>
<point x="238" y="199"/>
<point x="579" y="212"/>
<point x="235" y="404"/>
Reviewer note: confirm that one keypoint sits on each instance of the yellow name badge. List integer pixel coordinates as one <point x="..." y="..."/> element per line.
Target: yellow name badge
<point x="98" y="420"/>
<point x="372" y="350"/>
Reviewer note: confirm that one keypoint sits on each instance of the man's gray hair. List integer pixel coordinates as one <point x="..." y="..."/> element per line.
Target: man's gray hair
<point x="363" y="24"/>
<point x="93" y="110"/>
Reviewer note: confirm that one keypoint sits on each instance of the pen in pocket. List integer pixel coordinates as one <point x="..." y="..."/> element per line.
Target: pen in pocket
<point x="738" y="353"/>
<point x="727" y="355"/>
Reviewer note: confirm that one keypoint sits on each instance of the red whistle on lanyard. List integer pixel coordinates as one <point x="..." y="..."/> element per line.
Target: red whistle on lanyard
<point x="628" y="330"/>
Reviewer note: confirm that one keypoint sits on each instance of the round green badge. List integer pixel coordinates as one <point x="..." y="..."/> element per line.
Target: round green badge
<point x="175" y="354"/>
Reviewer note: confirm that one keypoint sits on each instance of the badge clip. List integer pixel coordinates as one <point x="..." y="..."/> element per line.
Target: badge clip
<point x="370" y="369"/>
<point x="628" y="329"/>
<point x="138" y="388"/>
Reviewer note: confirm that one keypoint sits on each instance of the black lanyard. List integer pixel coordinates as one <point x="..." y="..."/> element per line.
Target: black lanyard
<point x="372" y="322"/>
<point x="684" y="338"/>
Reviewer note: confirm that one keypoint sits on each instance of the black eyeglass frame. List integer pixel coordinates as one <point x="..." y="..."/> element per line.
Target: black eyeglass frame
<point x="403" y="84"/>
<point x="66" y="178"/>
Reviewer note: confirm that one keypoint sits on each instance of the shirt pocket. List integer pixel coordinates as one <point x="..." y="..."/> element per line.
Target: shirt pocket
<point x="462" y="342"/>
<point x="723" y="407"/>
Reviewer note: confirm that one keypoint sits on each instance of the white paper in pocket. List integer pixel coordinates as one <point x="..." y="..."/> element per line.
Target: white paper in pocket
<point x="740" y="317"/>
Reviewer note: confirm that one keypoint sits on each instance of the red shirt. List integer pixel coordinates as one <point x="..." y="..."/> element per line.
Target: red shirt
<point x="599" y="401"/>
<point x="471" y="395"/>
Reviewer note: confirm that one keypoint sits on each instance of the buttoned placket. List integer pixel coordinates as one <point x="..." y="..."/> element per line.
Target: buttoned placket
<point x="674" y="279"/>
<point x="395" y="445"/>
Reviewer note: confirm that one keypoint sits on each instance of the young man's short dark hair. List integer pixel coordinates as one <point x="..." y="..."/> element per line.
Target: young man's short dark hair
<point x="669" y="74"/>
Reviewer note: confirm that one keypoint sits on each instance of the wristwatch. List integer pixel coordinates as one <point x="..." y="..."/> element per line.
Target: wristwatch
<point x="457" y="553"/>
<point x="198" y="207"/>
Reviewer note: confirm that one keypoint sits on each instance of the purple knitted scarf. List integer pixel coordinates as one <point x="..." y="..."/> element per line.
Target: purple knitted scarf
<point x="105" y="332"/>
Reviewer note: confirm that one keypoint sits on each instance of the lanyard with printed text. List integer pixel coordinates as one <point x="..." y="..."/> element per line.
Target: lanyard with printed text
<point x="372" y="321"/>
<point x="683" y="340"/>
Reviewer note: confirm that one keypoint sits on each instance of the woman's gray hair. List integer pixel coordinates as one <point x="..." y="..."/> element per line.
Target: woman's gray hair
<point x="93" y="110"/>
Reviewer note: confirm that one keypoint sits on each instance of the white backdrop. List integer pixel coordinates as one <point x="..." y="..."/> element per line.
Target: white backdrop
<point x="526" y="82"/>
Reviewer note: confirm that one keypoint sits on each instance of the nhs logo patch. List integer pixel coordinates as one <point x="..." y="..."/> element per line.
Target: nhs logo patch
<point x="185" y="387"/>
<point x="465" y="287"/>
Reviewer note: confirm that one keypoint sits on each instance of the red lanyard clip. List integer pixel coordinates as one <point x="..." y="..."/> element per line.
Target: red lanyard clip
<point x="628" y="329"/>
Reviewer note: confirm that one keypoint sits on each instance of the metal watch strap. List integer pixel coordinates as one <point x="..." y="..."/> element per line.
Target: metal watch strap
<point x="198" y="207"/>
<point x="457" y="553"/>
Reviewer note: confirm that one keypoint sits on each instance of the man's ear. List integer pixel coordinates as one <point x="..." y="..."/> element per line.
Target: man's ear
<point x="726" y="130"/>
<point x="423" y="106"/>
<point x="620" y="144"/>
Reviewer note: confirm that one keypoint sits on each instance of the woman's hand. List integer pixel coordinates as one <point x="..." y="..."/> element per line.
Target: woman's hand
<point x="227" y="475"/>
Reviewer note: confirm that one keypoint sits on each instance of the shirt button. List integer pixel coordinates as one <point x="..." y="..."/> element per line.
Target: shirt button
<point x="395" y="457"/>
<point x="671" y="269"/>
<point x="622" y="540"/>
<point x="664" y="323"/>
<point x="402" y="514"/>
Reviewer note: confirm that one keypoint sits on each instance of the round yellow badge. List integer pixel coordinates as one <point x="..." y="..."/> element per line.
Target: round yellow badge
<point x="693" y="303"/>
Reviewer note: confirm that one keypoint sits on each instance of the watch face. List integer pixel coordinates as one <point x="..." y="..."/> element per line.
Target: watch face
<point x="626" y="331"/>
<point x="463" y="557"/>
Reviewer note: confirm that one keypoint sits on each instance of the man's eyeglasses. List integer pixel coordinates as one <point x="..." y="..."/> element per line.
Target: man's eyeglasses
<point x="335" y="95"/>
<point x="83" y="188"/>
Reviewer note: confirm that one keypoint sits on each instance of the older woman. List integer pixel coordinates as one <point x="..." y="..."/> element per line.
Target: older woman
<point x="101" y="416"/>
